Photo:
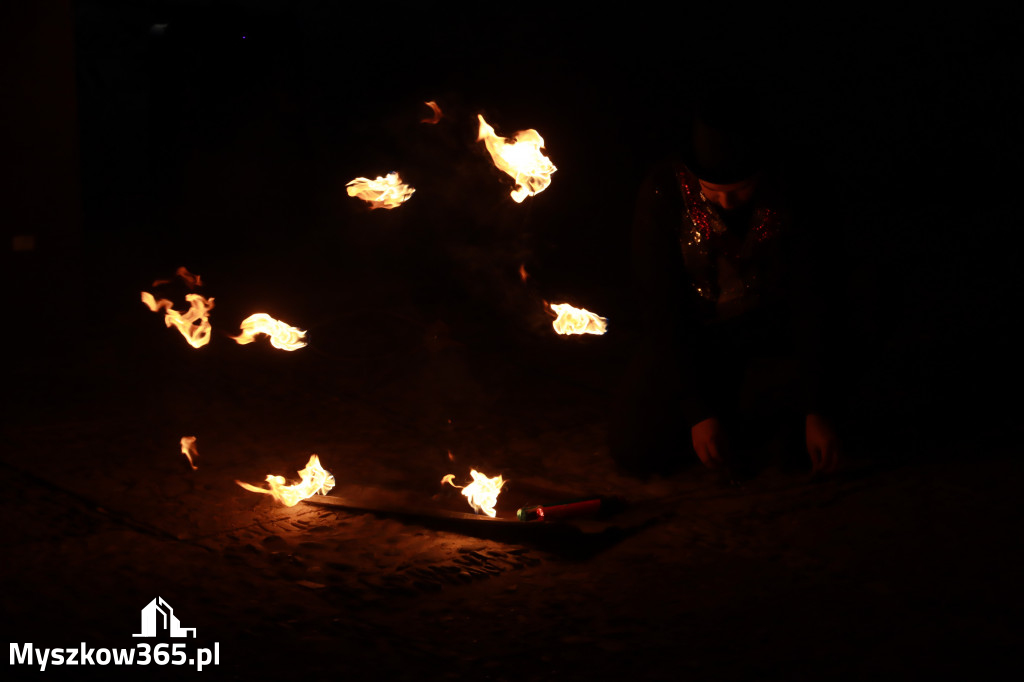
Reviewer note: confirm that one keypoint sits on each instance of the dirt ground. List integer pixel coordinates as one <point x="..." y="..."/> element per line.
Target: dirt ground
<point x="429" y="354"/>
<point x="896" y="566"/>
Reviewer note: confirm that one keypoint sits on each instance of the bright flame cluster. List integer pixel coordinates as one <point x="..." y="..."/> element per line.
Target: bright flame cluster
<point x="520" y="158"/>
<point x="281" y="335"/>
<point x="315" y="479"/>
<point x="482" y="493"/>
<point x="193" y="325"/>
<point x="389" y="192"/>
<point x="572" y="320"/>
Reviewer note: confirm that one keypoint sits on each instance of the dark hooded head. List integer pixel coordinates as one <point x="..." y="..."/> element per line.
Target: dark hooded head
<point x="726" y="144"/>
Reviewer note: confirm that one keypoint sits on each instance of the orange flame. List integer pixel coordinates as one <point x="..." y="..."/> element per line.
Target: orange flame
<point x="193" y="325"/>
<point x="188" y="448"/>
<point x="192" y="281"/>
<point x="520" y="158"/>
<point x="315" y="479"/>
<point x="281" y="335"/>
<point x="523" y="275"/>
<point x="571" y="320"/>
<point x="437" y="113"/>
<point x="482" y="493"/>
<point x="389" y="192"/>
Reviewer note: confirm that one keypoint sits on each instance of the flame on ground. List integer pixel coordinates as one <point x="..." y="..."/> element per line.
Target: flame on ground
<point x="437" y="113"/>
<point x="281" y="335"/>
<point x="482" y="493"/>
<point x="572" y="320"/>
<point x="389" y="192"/>
<point x="193" y="325"/>
<point x="188" y="448"/>
<point x="521" y="158"/>
<point x="315" y="479"/>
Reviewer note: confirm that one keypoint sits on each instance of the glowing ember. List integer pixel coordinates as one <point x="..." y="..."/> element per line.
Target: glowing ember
<point x="437" y="113"/>
<point x="389" y="192"/>
<point x="577" y="320"/>
<point x="315" y="479"/>
<point x="521" y="158"/>
<point x="523" y="275"/>
<point x="281" y="335"/>
<point x="193" y="325"/>
<point x="482" y="493"/>
<point x="188" y="448"/>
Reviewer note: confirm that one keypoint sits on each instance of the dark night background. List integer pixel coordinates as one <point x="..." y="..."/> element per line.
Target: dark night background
<point x="141" y="136"/>
<point x="147" y="135"/>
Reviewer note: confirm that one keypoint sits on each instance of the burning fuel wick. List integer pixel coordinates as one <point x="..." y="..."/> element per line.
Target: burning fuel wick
<point x="315" y="479"/>
<point x="188" y="448"/>
<point x="193" y="325"/>
<point x="389" y="192"/>
<point x="281" y="335"/>
<point x="521" y="158"/>
<point x="572" y="320"/>
<point x="482" y="493"/>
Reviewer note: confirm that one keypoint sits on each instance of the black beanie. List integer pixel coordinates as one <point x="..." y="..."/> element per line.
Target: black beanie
<point x="725" y="144"/>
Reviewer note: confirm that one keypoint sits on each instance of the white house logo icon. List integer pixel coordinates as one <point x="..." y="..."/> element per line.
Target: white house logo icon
<point x="169" y="621"/>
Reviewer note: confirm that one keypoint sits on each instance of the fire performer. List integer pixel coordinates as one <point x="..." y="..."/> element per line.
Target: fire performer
<point x="731" y="362"/>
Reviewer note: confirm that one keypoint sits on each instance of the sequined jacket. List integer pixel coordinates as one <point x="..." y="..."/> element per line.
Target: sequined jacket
<point x="731" y="267"/>
<point x="705" y="281"/>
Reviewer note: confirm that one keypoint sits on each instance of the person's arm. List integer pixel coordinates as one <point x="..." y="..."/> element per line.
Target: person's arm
<point x="667" y="307"/>
<point x="814" y="299"/>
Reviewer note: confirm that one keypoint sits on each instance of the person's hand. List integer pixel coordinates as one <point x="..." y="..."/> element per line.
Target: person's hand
<point x="822" y="444"/>
<point x="709" y="442"/>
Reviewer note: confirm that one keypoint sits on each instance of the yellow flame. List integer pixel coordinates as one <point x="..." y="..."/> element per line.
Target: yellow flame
<point x="188" y="448"/>
<point x="389" y="192"/>
<point x="437" y="113"/>
<point x="482" y="493"/>
<point x="281" y="335"/>
<point x="193" y="325"/>
<point x="315" y="479"/>
<point x="572" y="320"/>
<point x="520" y="158"/>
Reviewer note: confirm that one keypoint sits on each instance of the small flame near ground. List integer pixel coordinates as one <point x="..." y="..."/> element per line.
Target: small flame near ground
<point x="482" y="493"/>
<point x="193" y="325"/>
<point x="437" y="113"/>
<point x="520" y="158"/>
<point x="188" y="448"/>
<point x="315" y="479"/>
<point x="570" y="320"/>
<point x="388" y="192"/>
<point x="282" y="336"/>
